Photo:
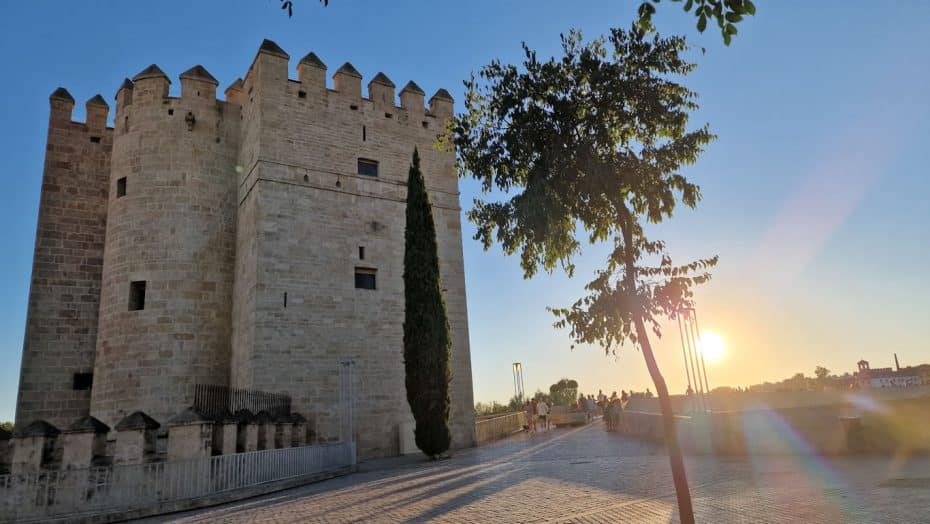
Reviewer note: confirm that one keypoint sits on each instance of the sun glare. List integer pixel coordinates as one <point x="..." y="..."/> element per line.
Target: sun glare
<point x="713" y="346"/>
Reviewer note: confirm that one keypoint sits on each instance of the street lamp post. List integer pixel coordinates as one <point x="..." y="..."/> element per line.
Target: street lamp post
<point x="518" y="381"/>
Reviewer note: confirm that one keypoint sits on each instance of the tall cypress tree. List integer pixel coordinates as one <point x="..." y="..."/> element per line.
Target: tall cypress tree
<point x="427" y="336"/>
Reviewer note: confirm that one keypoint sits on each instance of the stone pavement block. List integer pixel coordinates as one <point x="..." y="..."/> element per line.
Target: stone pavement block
<point x="586" y="476"/>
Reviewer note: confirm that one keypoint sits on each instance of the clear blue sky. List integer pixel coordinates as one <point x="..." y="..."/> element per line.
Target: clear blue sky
<point x="815" y="193"/>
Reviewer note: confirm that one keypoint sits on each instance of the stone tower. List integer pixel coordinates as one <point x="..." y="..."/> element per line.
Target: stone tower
<point x="255" y="242"/>
<point x="170" y="233"/>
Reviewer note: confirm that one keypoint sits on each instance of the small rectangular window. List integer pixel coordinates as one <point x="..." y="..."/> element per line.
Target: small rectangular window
<point x="367" y="167"/>
<point x="361" y="252"/>
<point x="301" y="94"/>
<point x="120" y="187"/>
<point x="365" y="278"/>
<point x="137" y="295"/>
<point x="95" y="139"/>
<point x="364" y="133"/>
<point x="83" y="381"/>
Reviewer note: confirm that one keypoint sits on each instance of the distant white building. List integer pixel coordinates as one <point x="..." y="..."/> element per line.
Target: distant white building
<point x="885" y="377"/>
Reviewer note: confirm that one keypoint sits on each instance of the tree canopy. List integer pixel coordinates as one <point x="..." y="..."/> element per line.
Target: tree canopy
<point x="726" y="13"/>
<point x="821" y="373"/>
<point x="591" y="141"/>
<point x="590" y="145"/>
<point x="564" y="392"/>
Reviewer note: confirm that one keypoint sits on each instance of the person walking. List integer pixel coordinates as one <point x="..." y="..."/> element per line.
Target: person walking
<point x="531" y="416"/>
<point x="542" y="410"/>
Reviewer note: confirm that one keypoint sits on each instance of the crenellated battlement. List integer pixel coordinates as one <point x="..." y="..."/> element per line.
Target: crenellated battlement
<point x="61" y="113"/>
<point x="152" y="84"/>
<point x="346" y="85"/>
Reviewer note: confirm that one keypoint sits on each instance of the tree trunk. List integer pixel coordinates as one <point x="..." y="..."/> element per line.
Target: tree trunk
<point x="680" y="478"/>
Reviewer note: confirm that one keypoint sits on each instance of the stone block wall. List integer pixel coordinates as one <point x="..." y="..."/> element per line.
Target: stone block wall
<point x="308" y="219"/>
<point x="61" y="321"/>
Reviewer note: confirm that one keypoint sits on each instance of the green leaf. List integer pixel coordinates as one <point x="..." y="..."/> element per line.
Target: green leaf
<point x="702" y="23"/>
<point x="750" y="8"/>
<point x="688" y="5"/>
<point x="733" y="17"/>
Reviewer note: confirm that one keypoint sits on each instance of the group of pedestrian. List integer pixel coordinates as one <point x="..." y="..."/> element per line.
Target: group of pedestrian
<point x="537" y="414"/>
<point x="609" y="407"/>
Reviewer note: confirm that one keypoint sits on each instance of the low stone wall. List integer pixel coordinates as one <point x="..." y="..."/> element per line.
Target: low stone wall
<point x="497" y="427"/>
<point x="859" y="426"/>
<point x="742" y="401"/>
<point x="564" y="416"/>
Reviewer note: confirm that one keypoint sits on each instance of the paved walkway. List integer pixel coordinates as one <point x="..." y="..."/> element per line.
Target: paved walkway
<point x="585" y="475"/>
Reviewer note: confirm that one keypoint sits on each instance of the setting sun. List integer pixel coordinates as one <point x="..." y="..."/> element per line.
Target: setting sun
<point x="713" y="346"/>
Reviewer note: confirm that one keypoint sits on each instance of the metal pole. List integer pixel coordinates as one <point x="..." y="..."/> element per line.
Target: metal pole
<point x="698" y="329"/>
<point x="684" y="355"/>
<point x="691" y="349"/>
<point x="516" y="388"/>
<point x="698" y="355"/>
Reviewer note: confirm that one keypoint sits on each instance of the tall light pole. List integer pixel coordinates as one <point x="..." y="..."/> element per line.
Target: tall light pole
<point x="518" y="381"/>
<point x="693" y="354"/>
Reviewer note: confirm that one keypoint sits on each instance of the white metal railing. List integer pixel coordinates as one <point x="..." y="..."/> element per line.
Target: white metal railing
<point x="136" y="487"/>
<point x="499" y="427"/>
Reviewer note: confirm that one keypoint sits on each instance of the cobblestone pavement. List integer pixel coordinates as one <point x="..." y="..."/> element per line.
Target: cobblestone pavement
<point x="585" y="475"/>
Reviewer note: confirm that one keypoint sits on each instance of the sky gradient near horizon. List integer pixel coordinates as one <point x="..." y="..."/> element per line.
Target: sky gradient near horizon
<point x="815" y="193"/>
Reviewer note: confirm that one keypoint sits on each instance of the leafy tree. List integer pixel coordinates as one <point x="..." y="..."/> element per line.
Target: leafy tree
<point x="588" y="146"/>
<point x="427" y="337"/>
<point x="564" y="392"/>
<point x="822" y="373"/>
<point x="7" y="426"/>
<point x="540" y="395"/>
<point x="727" y="13"/>
<point x="494" y="407"/>
<point x="491" y="408"/>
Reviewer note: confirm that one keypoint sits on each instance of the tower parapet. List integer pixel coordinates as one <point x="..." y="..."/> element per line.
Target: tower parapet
<point x="347" y="81"/>
<point x="440" y="104"/>
<point x="124" y="96"/>
<point x="381" y="92"/>
<point x="198" y="83"/>
<point x="311" y="73"/>
<point x="234" y="92"/>
<point x="412" y="99"/>
<point x="97" y="111"/>
<point x="150" y="85"/>
<point x="62" y="105"/>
